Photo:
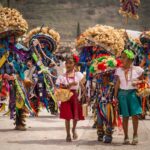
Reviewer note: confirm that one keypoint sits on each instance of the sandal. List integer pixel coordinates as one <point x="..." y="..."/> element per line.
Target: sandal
<point x="68" y="138"/>
<point x="75" y="135"/>
<point x="126" y="141"/>
<point x="135" y="140"/>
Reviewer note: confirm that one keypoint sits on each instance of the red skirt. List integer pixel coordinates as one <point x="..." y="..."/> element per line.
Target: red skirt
<point x="71" y="109"/>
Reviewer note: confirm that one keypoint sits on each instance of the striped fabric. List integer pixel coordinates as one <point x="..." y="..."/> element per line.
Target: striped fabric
<point x="7" y="68"/>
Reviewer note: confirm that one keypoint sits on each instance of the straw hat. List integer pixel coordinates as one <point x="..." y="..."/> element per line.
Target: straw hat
<point x="108" y="37"/>
<point x="11" y="22"/>
<point x="45" y="35"/>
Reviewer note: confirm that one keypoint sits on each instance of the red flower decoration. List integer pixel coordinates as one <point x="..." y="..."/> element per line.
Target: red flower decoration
<point x="102" y="66"/>
<point x="119" y="63"/>
<point x="76" y="58"/>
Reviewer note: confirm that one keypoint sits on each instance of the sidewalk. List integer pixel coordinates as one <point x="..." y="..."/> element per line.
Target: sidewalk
<point x="48" y="133"/>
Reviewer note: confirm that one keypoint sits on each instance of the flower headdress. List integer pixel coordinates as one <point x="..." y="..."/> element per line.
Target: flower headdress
<point x="103" y="64"/>
<point x="73" y="57"/>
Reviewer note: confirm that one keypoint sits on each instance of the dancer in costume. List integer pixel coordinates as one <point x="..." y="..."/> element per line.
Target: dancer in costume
<point x="94" y="41"/>
<point x="71" y="108"/>
<point x="42" y="43"/>
<point x="102" y="69"/>
<point x="12" y="55"/>
<point x="125" y="92"/>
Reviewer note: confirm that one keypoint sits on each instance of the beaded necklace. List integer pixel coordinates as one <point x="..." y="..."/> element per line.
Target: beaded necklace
<point x="126" y="74"/>
<point x="67" y="78"/>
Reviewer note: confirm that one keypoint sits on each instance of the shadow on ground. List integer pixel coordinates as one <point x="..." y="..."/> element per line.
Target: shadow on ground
<point x="44" y="129"/>
<point x="63" y="142"/>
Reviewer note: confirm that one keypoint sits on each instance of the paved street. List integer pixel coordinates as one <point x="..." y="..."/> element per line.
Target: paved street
<point x="48" y="133"/>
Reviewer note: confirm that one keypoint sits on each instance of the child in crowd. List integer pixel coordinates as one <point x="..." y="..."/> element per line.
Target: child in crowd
<point x="71" y="109"/>
<point x="105" y="109"/>
<point x="125" y="92"/>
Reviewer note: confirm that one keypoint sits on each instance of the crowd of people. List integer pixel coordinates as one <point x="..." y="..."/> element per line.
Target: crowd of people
<point x="113" y="76"/>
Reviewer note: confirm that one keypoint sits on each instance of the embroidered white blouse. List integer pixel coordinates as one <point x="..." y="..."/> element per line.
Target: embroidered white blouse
<point x="62" y="79"/>
<point x="134" y="73"/>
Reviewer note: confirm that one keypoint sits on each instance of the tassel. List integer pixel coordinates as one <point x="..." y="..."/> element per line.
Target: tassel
<point x="12" y="100"/>
<point x="104" y="110"/>
<point x="51" y="105"/>
<point x="35" y="104"/>
<point x="47" y="83"/>
<point x="108" y="112"/>
<point x="2" y="107"/>
<point x="19" y="99"/>
<point x="21" y="96"/>
<point x="112" y="113"/>
<point x="101" y="112"/>
<point x="115" y="118"/>
<point x="4" y="59"/>
<point x="45" y="102"/>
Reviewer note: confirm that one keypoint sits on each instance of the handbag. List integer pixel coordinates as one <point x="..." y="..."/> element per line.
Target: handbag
<point x="63" y="95"/>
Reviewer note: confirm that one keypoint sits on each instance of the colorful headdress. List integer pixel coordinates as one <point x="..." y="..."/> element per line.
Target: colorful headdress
<point x="104" y="64"/>
<point x="109" y="38"/>
<point x="11" y="22"/>
<point x="46" y="36"/>
<point x="73" y="57"/>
